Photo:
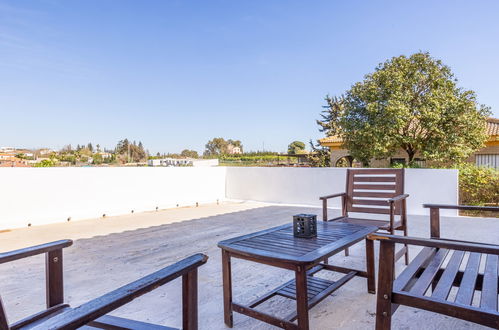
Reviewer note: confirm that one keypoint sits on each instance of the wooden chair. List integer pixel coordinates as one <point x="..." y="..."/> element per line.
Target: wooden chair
<point x="444" y="277"/>
<point x="374" y="191"/>
<point x="92" y="315"/>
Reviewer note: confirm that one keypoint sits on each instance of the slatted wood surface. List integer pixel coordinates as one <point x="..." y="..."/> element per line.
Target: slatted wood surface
<point x="315" y="286"/>
<point x="452" y="276"/>
<point x="369" y="189"/>
<point x="279" y="242"/>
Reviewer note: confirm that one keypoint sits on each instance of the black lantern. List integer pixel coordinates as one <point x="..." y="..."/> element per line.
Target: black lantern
<point x="305" y="225"/>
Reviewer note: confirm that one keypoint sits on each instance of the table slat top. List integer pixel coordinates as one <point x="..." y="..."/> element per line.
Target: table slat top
<point x="278" y="243"/>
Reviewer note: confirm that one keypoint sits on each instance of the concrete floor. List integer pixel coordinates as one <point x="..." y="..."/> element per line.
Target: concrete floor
<point x="108" y="253"/>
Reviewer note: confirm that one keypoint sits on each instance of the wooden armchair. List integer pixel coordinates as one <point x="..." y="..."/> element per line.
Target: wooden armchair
<point x="92" y="315"/>
<point x="444" y="277"/>
<point x="374" y="191"/>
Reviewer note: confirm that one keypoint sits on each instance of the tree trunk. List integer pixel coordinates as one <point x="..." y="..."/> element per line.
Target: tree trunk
<point x="411" y="153"/>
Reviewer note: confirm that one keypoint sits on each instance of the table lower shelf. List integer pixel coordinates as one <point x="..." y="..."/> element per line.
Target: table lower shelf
<point x="316" y="287"/>
<point x="317" y="290"/>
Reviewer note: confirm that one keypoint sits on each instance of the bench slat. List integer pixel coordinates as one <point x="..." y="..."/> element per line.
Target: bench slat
<point x="358" y="186"/>
<point x="404" y="278"/>
<point x="489" y="287"/>
<point x="114" y="322"/>
<point x="370" y="202"/>
<point x="373" y="194"/>
<point x="358" y="178"/>
<point x="467" y="286"/>
<point x="444" y="285"/>
<point x="424" y="281"/>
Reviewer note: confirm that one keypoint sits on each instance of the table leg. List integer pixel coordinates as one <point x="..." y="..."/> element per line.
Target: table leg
<point x="227" y="287"/>
<point x="301" y="297"/>
<point x="371" y="281"/>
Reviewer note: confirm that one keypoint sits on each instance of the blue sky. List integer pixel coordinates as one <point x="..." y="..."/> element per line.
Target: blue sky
<point x="174" y="74"/>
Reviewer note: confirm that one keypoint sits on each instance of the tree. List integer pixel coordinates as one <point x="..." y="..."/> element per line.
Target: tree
<point x="97" y="159"/>
<point x="412" y="103"/>
<point x="130" y="152"/>
<point x="296" y="147"/>
<point x="90" y="147"/>
<point x="320" y="156"/>
<point x="215" y="147"/>
<point x="332" y="115"/>
<point x="234" y="143"/>
<point x="45" y="163"/>
<point x="189" y="153"/>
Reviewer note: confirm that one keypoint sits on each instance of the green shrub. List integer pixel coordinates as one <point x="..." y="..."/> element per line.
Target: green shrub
<point x="478" y="185"/>
<point x="401" y="165"/>
<point x="45" y="163"/>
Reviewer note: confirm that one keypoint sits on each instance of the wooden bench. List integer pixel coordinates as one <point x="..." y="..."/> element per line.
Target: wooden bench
<point x="92" y="315"/>
<point x="373" y="191"/>
<point x="444" y="277"/>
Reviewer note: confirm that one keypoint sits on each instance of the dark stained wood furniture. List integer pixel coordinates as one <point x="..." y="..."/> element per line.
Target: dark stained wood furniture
<point x="279" y="248"/>
<point x="454" y="278"/>
<point x="373" y="191"/>
<point x="92" y="315"/>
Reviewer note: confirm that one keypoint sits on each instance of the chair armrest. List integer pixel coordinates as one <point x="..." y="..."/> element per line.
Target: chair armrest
<point x="397" y="198"/>
<point x="34" y="250"/>
<point x="102" y="305"/>
<point x="332" y="196"/>
<point x="438" y="243"/>
<point x="462" y="207"/>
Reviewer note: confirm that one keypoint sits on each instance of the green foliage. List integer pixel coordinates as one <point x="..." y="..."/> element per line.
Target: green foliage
<point x="296" y="147"/>
<point x="22" y="156"/>
<point x="189" y="153"/>
<point x="219" y="146"/>
<point x="411" y="103"/>
<point x="97" y="159"/>
<point x="259" y="158"/>
<point x="249" y="157"/>
<point x="45" y="163"/>
<point x="130" y="152"/>
<point x="68" y="157"/>
<point x="401" y="165"/>
<point x="320" y="156"/>
<point x="331" y="116"/>
<point x="478" y="185"/>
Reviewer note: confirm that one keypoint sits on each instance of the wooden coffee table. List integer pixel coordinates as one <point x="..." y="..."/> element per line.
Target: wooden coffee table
<point x="305" y="256"/>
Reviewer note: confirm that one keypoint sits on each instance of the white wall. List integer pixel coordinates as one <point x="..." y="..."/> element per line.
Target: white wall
<point x="47" y="195"/>
<point x="304" y="186"/>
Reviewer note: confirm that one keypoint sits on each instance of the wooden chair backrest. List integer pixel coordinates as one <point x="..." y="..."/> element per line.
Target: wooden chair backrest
<point x="368" y="190"/>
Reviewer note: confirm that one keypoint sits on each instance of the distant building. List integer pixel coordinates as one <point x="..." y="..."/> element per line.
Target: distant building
<point x="487" y="156"/>
<point x="10" y="160"/>
<point x="45" y="151"/>
<point x="7" y="149"/>
<point x="234" y="150"/>
<point x="178" y="162"/>
<point x="105" y="155"/>
<point x="6" y="156"/>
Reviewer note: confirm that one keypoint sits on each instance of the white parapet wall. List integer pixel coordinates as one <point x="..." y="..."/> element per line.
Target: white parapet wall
<point x="303" y="186"/>
<point x="47" y="195"/>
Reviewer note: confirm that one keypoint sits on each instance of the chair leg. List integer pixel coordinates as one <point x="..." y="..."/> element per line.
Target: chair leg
<point x="406" y="248"/>
<point x="385" y="285"/>
<point x="347" y="252"/>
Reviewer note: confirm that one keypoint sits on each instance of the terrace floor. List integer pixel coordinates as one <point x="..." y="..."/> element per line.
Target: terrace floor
<point x="108" y="253"/>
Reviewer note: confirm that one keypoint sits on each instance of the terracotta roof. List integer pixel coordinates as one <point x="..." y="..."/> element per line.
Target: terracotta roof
<point x="492" y="129"/>
<point x="493" y="126"/>
<point x="331" y="139"/>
